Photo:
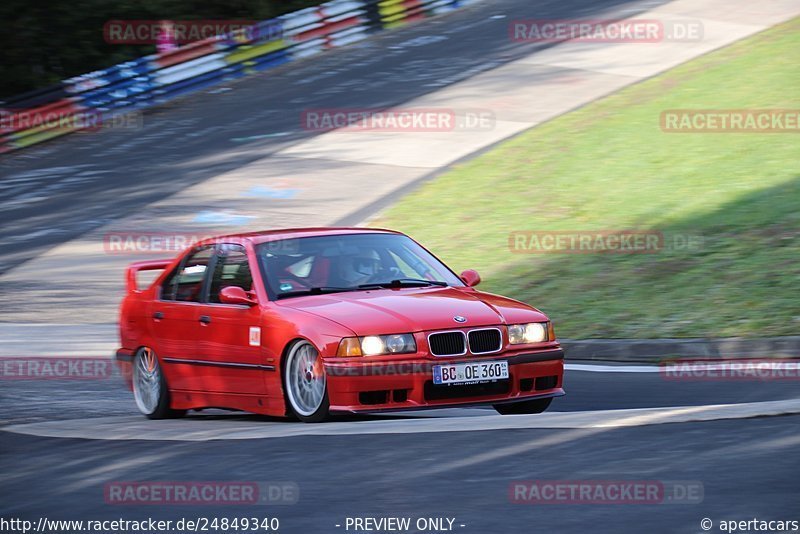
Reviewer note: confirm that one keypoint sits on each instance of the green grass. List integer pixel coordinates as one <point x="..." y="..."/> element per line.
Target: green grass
<point x="608" y="166"/>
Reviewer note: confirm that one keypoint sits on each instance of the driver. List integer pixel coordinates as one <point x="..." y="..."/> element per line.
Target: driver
<point x="359" y="267"/>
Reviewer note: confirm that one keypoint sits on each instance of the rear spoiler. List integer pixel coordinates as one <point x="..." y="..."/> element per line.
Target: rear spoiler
<point x="134" y="268"/>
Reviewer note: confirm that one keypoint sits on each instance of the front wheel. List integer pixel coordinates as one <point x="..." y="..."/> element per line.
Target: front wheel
<point x="150" y="388"/>
<point x="305" y="384"/>
<point x="524" y="407"/>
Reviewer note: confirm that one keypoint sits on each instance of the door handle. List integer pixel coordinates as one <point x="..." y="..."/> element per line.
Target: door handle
<point x="205" y="319"/>
<point x="158" y="315"/>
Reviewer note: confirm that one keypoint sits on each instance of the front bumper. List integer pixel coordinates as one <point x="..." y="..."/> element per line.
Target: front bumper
<point x="365" y="386"/>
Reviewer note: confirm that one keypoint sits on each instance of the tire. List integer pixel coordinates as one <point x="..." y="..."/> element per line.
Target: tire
<point x="150" y="388"/>
<point x="524" y="407"/>
<point x="304" y="383"/>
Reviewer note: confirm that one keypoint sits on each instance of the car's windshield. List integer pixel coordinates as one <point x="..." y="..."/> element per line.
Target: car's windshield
<point x="350" y="262"/>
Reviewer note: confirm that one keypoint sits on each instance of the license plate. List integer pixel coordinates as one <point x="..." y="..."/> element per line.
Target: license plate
<point x="460" y="373"/>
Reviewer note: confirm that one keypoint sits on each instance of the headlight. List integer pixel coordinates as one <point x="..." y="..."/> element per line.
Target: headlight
<point x="377" y="345"/>
<point x="527" y="333"/>
<point x="372" y="345"/>
<point x="400" y="343"/>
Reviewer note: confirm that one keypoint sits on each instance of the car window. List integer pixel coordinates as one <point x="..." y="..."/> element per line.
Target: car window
<point x="406" y="270"/>
<point x="168" y="286"/>
<point x="188" y="282"/>
<point x="299" y="271"/>
<point x="232" y="269"/>
<point x="302" y="268"/>
<point x="347" y="261"/>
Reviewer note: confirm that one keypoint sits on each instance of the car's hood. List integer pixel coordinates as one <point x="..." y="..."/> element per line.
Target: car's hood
<point x="414" y="309"/>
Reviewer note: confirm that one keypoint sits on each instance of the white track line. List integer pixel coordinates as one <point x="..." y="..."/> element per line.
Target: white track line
<point x="600" y="368"/>
<point x="689" y="365"/>
<point x="205" y="428"/>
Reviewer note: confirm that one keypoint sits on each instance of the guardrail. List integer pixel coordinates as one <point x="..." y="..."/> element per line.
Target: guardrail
<point x="85" y="101"/>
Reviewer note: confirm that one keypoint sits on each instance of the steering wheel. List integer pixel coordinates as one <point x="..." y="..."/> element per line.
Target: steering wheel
<point x="385" y="275"/>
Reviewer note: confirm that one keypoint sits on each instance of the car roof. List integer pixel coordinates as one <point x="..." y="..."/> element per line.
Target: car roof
<point x="264" y="236"/>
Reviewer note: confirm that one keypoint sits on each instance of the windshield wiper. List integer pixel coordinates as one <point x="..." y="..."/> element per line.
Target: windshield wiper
<point x="405" y="282"/>
<point x="400" y="282"/>
<point x="315" y="291"/>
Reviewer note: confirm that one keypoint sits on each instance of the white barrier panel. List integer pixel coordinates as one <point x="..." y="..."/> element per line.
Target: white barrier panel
<point x="190" y="69"/>
<point x="300" y="19"/>
<point x="348" y="35"/>
<point x="332" y="9"/>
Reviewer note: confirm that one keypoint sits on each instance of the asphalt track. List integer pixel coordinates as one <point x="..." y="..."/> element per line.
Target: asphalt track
<point x="747" y="465"/>
<point x="743" y="468"/>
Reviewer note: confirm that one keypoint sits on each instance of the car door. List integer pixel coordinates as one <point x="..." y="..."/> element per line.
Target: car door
<point x="229" y="335"/>
<point x="174" y="318"/>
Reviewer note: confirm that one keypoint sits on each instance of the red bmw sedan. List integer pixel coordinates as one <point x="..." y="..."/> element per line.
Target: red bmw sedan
<point x="309" y="322"/>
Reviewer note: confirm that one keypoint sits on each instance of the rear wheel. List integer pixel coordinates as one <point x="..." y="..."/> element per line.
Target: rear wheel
<point x="305" y="383"/>
<point x="524" y="407"/>
<point x="150" y="388"/>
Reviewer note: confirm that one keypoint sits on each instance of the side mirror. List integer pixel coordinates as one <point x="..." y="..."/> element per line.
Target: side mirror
<point x="471" y="277"/>
<point x="236" y="295"/>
